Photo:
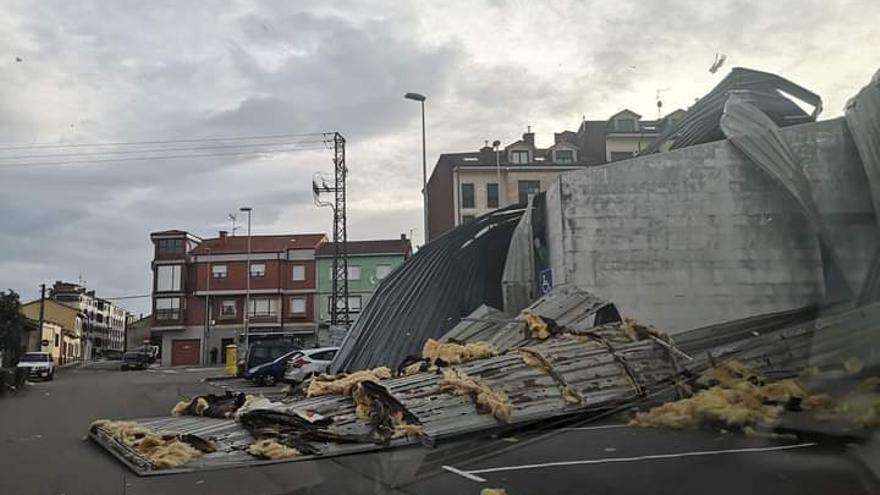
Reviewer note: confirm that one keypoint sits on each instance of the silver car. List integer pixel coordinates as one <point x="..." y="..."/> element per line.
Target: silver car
<point x="309" y="362"/>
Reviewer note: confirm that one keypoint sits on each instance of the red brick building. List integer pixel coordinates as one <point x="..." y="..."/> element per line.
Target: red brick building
<point x="190" y="273"/>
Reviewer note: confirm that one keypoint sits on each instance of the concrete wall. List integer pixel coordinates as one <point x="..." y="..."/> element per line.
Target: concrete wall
<point x="701" y="235"/>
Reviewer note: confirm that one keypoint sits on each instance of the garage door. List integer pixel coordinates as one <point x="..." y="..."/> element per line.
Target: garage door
<point x="185" y="352"/>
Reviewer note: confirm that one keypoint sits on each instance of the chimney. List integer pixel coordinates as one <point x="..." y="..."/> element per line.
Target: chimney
<point x="402" y="237"/>
<point x="529" y="137"/>
<point x="223" y="234"/>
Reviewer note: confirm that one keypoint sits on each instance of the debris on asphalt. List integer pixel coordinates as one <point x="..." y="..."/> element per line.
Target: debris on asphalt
<point x="213" y="405"/>
<point x="493" y="491"/>
<point x="161" y="451"/>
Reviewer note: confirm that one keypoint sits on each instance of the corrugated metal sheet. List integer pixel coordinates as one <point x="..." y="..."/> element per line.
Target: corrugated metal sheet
<point x="764" y="90"/>
<point x="757" y="136"/>
<point x="445" y="280"/>
<point x="609" y="370"/>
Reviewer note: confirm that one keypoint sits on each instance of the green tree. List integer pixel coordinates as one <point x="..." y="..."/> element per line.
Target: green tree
<point x="11" y="326"/>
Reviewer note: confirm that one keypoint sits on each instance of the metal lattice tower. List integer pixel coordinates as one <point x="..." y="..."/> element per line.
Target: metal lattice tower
<point x="339" y="315"/>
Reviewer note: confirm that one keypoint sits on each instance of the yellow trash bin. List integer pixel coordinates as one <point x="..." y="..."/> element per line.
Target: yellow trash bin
<point x="231" y="359"/>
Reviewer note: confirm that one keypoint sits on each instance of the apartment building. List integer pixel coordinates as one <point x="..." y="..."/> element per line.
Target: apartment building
<point x="466" y="185"/>
<point x="201" y="287"/>
<point x="104" y="322"/>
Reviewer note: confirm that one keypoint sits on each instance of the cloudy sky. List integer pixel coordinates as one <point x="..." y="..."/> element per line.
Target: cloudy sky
<point x="77" y="72"/>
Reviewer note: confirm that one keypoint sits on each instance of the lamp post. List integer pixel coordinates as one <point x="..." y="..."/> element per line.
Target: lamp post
<point x="497" y="144"/>
<point x="421" y="99"/>
<point x="247" y="293"/>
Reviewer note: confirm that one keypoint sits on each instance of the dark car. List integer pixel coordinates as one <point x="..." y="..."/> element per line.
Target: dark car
<point x="272" y="372"/>
<point x="264" y="351"/>
<point x="135" y="361"/>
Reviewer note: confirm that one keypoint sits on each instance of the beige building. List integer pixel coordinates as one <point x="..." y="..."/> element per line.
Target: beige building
<point x="466" y="185"/>
<point x="61" y="334"/>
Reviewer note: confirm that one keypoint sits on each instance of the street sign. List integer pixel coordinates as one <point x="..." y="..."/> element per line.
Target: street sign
<point x="545" y="281"/>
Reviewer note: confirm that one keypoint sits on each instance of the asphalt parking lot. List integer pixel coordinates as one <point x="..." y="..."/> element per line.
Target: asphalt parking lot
<point x="44" y="451"/>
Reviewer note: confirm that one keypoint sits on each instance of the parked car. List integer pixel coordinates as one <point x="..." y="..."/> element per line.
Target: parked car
<point x="309" y="362"/>
<point x="263" y="351"/>
<point x="38" y="365"/>
<point x="272" y="372"/>
<point x="135" y="361"/>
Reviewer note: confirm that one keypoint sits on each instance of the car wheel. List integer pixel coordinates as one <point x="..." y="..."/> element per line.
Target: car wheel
<point x="51" y="376"/>
<point x="269" y="380"/>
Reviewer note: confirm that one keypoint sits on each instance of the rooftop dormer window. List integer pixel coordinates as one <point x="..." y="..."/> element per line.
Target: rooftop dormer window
<point x="625" y="125"/>
<point x="519" y="156"/>
<point x="563" y="156"/>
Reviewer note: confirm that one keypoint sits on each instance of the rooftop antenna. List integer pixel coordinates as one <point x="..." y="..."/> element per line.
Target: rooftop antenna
<point x="233" y="218"/>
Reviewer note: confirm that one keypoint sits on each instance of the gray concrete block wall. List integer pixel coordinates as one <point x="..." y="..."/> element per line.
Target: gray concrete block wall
<point x="701" y="235"/>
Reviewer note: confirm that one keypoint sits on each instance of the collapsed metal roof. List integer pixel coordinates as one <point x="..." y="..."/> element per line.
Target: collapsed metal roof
<point x="607" y="368"/>
<point x="764" y="90"/>
<point x="445" y="280"/>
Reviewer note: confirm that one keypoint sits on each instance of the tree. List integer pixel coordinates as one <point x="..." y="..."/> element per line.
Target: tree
<point x="11" y="326"/>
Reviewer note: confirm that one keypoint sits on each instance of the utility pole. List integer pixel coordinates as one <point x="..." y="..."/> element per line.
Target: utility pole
<point x="43" y="313"/>
<point x="247" y="294"/>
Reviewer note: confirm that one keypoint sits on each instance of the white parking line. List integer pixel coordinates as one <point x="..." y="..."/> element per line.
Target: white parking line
<point x="472" y="474"/>
<point x="598" y="427"/>
<point x="464" y="474"/>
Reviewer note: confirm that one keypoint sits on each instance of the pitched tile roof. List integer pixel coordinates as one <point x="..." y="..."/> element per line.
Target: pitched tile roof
<point x="382" y="246"/>
<point x="259" y="243"/>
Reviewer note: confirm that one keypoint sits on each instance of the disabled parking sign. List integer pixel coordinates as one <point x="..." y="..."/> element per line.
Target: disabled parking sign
<point x="545" y="281"/>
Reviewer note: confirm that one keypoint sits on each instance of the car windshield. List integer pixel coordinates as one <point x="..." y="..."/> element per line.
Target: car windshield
<point x="34" y="358"/>
<point x="494" y="247"/>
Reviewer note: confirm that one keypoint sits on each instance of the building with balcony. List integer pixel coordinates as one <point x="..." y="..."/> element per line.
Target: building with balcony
<point x="369" y="262"/>
<point x="104" y="322"/>
<point x="201" y="286"/>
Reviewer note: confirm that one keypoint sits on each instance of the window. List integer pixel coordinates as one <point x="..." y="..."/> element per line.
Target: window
<point x="467" y="218"/>
<point x="167" y="308"/>
<point x="324" y="356"/>
<point x="262" y="307"/>
<point x="354" y="304"/>
<point x="228" y="309"/>
<point x="168" y="278"/>
<point x="298" y="273"/>
<point x="258" y="270"/>
<point x="563" y="156"/>
<point x="298" y="305"/>
<point x="57" y="340"/>
<point x="626" y="125"/>
<point x="519" y="156"/>
<point x="620" y="155"/>
<point x="218" y="271"/>
<point x="354" y="272"/>
<point x="527" y="188"/>
<point x="382" y="271"/>
<point x="169" y="246"/>
<point x="492" y="195"/>
<point x="467" y="195"/>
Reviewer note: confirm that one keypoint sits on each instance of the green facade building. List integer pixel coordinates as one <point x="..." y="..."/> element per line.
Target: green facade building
<point x="368" y="263"/>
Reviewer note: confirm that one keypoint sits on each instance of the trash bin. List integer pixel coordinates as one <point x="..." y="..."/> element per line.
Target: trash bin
<point x="231" y="359"/>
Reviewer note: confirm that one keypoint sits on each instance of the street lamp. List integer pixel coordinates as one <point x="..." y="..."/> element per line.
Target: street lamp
<point x="497" y="145"/>
<point x="247" y="293"/>
<point x="421" y="99"/>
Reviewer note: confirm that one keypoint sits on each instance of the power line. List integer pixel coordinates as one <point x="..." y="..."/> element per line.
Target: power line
<point x="166" y="141"/>
<point x="158" y="150"/>
<point x="118" y="298"/>
<point x="162" y="157"/>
